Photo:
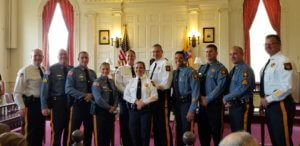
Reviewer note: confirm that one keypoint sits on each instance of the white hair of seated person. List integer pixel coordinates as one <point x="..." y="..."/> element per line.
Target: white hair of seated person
<point x="238" y="139"/>
<point x="12" y="139"/>
<point x="4" y="128"/>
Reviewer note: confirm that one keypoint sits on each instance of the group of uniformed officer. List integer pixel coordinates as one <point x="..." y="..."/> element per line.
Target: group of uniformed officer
<point x="72" y="96"/>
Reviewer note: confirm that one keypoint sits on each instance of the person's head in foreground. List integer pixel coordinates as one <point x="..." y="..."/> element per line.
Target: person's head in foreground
<point x="12" y="139"/>
<point x="238" y="139"/>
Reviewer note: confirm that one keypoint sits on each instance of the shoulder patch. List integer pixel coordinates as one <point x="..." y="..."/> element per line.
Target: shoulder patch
<point x="245" y="82"/>
<point x="168" y="68"/>
<point x="153" y="84"/>
<point x="223" y="71"/>
<point x="288" y="66"/>
<point x="245" y="73"/>
<point x="195" y="75"/>
<point x="96" y="84"/>
<point x="70" y="73"/>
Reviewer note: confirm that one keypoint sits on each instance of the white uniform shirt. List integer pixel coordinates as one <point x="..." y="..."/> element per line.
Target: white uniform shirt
<point x="149" y="91"/>
<point x="28" y="83"/>
<point x="162" y="75"/>
<point x="122" y="77"/>
<point x="278" y="78"/>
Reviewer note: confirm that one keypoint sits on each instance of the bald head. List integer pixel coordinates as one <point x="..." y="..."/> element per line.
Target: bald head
<point x="37" y="56"/>
<point x="238" y="139"/>
<point x="236" y="54"/>
<point x="63" y="57"/>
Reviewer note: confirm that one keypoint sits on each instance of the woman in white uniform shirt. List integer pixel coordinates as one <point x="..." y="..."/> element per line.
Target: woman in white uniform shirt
<point x="139" y="93"/>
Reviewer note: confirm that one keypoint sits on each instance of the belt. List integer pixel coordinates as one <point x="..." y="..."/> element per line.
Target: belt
<point x="31" y="98"/>
<point x="58" y="97"/>
<point x="183" y="99"/>
<point x="131" y="106"/>
<point x="241" y="101"/>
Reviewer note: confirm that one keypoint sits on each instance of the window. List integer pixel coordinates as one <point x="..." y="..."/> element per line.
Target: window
<point x="57" y="36"/>
<point x="260" y="28"/>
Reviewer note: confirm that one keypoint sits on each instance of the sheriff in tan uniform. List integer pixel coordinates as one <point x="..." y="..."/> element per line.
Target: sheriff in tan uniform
<point x="27" y="97"/>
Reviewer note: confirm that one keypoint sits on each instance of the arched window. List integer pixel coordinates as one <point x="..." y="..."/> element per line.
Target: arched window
<point x="260" y="28"/>
<point x="55" y="29"/>
<point x="57" y="36"/>
<point x="260" y="18"/>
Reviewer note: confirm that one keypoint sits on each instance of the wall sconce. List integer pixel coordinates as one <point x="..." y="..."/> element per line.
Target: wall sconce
<point x="117" y="41"/>
<point x="194" y="40"/>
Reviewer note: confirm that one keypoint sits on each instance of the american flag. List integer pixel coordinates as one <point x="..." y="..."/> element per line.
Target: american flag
<point x="124" y="48"/>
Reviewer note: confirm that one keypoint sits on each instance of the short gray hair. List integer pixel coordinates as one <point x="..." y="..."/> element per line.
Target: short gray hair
<point x="239" y="139"/>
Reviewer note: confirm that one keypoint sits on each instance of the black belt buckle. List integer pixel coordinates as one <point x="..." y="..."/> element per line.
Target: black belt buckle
<point x="184" y="99"/>
<point x="131" y="106"/>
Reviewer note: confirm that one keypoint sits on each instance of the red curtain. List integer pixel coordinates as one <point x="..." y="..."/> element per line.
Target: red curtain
<point x="48" y="13"/>
<point x="274" y="12"/>
<point x="68" y="14"/>
<point x="249" y="12"/>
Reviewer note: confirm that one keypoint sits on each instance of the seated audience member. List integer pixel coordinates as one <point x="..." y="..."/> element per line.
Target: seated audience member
<point x="12" y="139"/>
<point x="239" y="139"/>
<point x="4" y="128"/>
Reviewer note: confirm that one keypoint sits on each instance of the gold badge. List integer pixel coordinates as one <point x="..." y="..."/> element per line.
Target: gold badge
<point x="195" y="75"/>
<point x="223" y="71"/>
<point x="45" y="80"/>
<point x="244" y="82"/>
<point x="168" y="68"/>
<point x="213" y="70"/>
<point x="245" y="74"/>
<point x="288" y="66"/>
<point x="273" y="64"/>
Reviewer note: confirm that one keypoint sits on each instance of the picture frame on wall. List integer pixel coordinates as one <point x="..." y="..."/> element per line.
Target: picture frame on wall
<point x="208" y="35"/>
<point x="104" y="38"/>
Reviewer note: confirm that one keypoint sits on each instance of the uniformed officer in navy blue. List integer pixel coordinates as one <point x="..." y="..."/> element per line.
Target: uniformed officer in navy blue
<point x="240" y="95"/>
<point x="140" y="92"/>
<point x="275" y="91"/>
<point x="104" y="106"/>
<point x="160" y="72"/>
<point x="27" y="96"/>
<point x="54" y="99"/>
<point x="186" y="92"/>
<point x="213" y="77"/>
<point x="78" y="87"/>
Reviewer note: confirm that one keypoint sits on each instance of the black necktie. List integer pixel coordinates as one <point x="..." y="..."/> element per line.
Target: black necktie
<point x="176" y="84"/>
<point x="203" y="80"/>
<point x="139" y="90"/>
<point x="41" y="72"/>
<point x="262" y="78"/>
<point x="88" y="81"/>
<point x="65" y="71"/>
<point x="155" y="64"/>
<point x="132" y="72"/>
<point x="232" y="72"/>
